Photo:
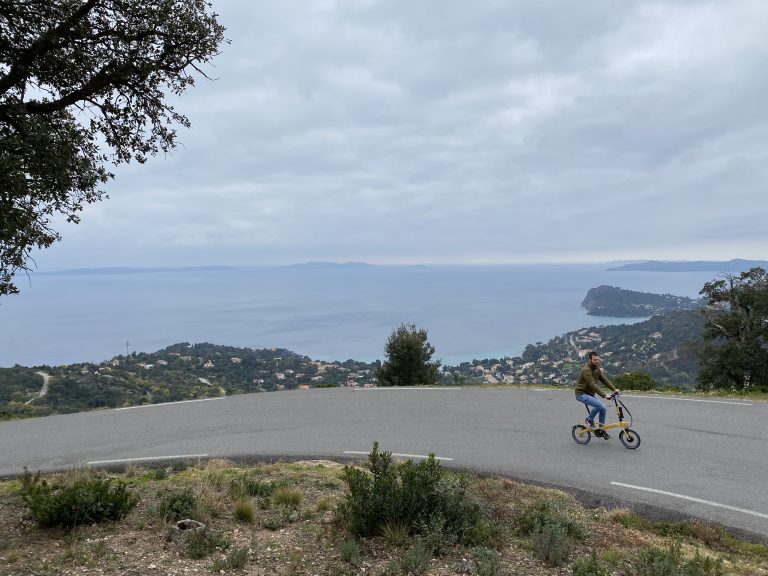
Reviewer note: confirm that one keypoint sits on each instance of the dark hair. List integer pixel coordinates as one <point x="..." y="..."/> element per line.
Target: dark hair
<point x="592" y="353"/>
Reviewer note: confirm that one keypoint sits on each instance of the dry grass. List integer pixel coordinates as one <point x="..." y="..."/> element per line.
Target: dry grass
<point x="298" y="531"/>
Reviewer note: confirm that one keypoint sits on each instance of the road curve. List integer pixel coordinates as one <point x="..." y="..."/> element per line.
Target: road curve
<point x="698" y="458"/>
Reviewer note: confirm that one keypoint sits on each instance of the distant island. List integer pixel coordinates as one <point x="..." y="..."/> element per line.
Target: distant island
<point x="734" y="266"/>
<point x="621" y="303"/>
<point x="117" y="270"/>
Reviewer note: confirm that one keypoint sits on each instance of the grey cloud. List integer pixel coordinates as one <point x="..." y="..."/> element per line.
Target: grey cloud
<point x="431" y="131"/>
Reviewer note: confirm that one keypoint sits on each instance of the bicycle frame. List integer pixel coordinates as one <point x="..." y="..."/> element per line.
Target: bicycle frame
<point x="619" y="415"/>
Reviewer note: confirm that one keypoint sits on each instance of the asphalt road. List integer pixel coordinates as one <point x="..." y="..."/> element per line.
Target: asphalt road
<point x="706" y="458"/>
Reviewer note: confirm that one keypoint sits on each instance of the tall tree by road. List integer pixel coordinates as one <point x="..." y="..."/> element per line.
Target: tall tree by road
<point x="409" y="359"/>
<point x="735" y="352"/>
<point x="83" y="86"/>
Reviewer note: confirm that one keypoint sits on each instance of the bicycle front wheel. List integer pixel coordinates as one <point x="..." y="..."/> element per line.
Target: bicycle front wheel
<point x="629" y="438"/>
<point x="581" y="434"/>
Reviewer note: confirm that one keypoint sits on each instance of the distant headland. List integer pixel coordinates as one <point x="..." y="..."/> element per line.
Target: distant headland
<point x="734" y="266"/>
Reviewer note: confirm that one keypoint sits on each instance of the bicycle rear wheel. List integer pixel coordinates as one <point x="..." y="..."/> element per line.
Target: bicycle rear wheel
<point x="629" y="438"/>
<point x="581" y="434"/>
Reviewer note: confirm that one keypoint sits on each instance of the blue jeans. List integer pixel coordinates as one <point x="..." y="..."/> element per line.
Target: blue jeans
<point x="597" y="407"/>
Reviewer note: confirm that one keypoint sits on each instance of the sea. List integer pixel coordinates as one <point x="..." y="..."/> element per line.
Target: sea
<point x="326" y="312"/>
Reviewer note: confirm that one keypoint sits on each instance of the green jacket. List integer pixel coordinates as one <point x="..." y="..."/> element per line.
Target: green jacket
<point x="587" y="381"/>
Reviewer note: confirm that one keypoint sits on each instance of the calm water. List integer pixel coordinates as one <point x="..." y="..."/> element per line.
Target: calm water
<point x="325" y="313"/>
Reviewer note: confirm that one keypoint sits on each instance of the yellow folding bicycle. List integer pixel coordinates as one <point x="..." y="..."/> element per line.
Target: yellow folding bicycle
<point x="582" y="432"/>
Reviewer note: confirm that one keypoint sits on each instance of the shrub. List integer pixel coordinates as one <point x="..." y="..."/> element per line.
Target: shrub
<point x="487" y="561"/>
<point x="246" y="486"/>
<point x="288" y="497"/>
<point x="590" y="566"/>
<point x="236" y="559"/>
<point x="323" y="505"/>
<point x="81" y="499"/>
<point x="669" y="562"/>
<point x="244" y="511"/>
<point x="201" y="544"/>
<point x="550" y="543"/>
<point x="416" y="560"/>
<point x="350" y="552"/>
<point x="176" y="506"/>
<point x="548" y="513"/>
<point x="636" y="381"/>
<point x="395" y="533"/>
<point x="416" y="497"/>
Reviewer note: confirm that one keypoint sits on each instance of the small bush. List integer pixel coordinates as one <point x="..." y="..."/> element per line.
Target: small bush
<point x="548" y="513"/>
<point x="636" y="381"/>
<point x="204" y="542"/>
<point x="160" y="474"/>
<point x="176" y="506"/>
<point x="487" y="561"/>
<point x="244" y="485"/>
<point x="236" y="559"/>
<point x="350" y="552"/>
<point x="703" y="566"/>
<point x="669" y="562"/>
<point x="289" y="497"/>
<point x="323" y="505"/>
<point x="179" y="466"/>
<point x="414" y="496"/>
<point x="82" y="499"/>
<point x="590" y="566"/>
<point x="550" y="543"/>
<point x="416" y="560"/>
<point x="244" y="511"/>
<point x="395" y="534"/>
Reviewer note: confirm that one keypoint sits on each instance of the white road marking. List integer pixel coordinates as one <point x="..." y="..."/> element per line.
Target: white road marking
<point x="692" y="499"/>
<point x="148" y="458"/>
<point x="687" y="399"/>
<point x="170" y="403"/>
<point x="399" y="455"/>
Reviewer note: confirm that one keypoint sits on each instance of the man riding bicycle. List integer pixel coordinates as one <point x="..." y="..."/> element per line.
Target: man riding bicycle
<point x="586" y="388"/>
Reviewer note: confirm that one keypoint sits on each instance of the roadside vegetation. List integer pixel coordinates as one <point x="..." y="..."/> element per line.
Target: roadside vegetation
<point x="380" y="516"/>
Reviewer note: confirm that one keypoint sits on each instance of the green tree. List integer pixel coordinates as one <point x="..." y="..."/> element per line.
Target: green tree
<point x="408" y="359"/>
<point x="635" y="381"/>
<point x="83" y="85"/>
<point x="735" y="350"/>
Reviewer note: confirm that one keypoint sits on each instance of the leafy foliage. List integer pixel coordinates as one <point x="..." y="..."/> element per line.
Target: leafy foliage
<point x="670" y="562"/>
<point x="735" y="353"/>
<point x="83" y="84"/>
<point x="177" y="505"/>
<point x="590" y="566"/>
<point x="550" y="543"/>
<point x="417" y="497"/>
<point x="635" y="381"/>
<point x="82" y="499"/>
<point x="409" y="356"/>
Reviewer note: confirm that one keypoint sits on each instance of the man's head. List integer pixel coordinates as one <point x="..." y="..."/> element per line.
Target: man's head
<point x="594" y="359"/>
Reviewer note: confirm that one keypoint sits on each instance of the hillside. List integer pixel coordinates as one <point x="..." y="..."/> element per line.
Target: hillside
<point x="289" y="519"/>
<point x="662" y="346"/>
<point x="733" y="266"/>
<point x="180" y="372"/>
<point x="618" y="302"/>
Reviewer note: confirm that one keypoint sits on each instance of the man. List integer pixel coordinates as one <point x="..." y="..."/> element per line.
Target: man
<point x="586" y="388"/>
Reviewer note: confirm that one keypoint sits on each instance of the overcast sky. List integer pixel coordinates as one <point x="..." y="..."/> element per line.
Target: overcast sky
<point x="435" y="131"/>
